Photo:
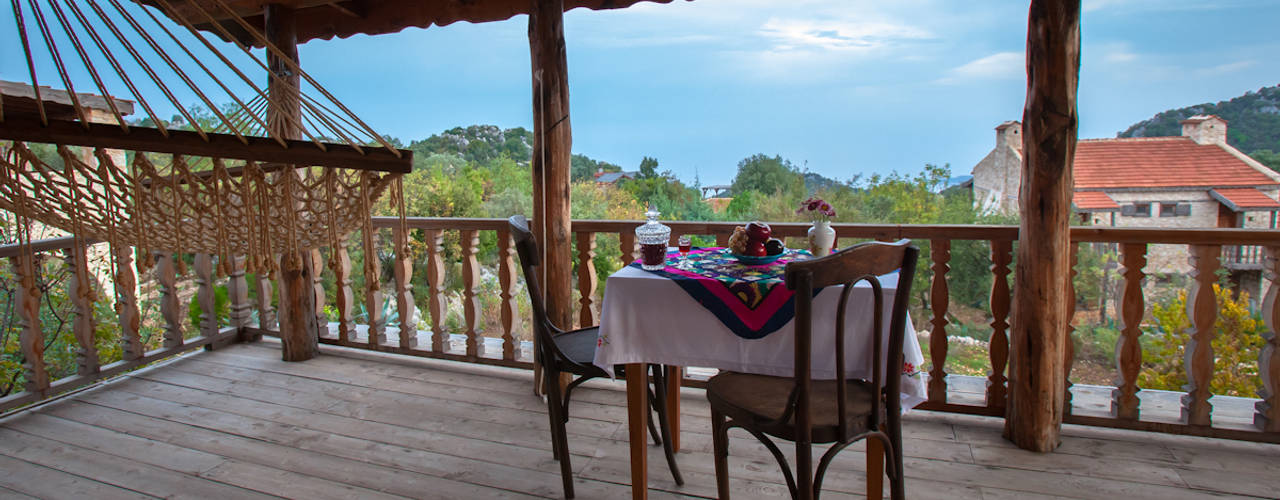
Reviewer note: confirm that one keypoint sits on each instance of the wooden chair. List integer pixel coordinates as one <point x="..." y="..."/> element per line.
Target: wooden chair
<point x="562" y="351"/>
<point x="810" y="411"/>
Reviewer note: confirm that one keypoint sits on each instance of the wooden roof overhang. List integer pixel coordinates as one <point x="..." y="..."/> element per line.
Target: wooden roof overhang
<point x="326" y="19"/>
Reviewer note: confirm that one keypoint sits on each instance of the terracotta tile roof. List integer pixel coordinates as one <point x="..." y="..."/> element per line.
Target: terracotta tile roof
<point x="1094" y="201"/>
<point x="1240" y="199"/>
<point x="1160" y="162"/>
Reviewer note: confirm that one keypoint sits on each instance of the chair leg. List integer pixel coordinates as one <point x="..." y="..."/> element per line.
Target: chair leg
<point x="720" y="450"/>
<point x="654" y="402"/>
<point x="897" y="476"/>
<point x="660" y="389"/>
<point x="559" y="435"/>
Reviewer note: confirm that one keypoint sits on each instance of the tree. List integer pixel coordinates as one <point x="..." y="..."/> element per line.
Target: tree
<point x="648" y="168"/>
<point x="1237" y="339"/>
<point x="767" y="175"/>
<point x="1267" y="157"/>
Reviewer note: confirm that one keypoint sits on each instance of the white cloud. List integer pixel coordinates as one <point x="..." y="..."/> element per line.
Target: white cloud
<point x="998" y="66"/>
<point x="837" y="34"/>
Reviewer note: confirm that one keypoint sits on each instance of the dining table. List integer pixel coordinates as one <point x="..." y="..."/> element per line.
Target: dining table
<point x="709" y="310"/>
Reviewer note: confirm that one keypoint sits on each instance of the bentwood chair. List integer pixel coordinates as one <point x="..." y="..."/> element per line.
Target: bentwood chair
<point x="808" y="411"/>
<point x="573" y="352"/>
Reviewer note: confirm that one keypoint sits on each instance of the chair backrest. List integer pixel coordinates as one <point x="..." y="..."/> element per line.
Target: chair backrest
<point x="527" y="250"/>
<point x="848" y="267"/>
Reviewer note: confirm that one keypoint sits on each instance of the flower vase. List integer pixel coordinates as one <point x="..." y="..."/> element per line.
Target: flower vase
<point x="821" y="238"/>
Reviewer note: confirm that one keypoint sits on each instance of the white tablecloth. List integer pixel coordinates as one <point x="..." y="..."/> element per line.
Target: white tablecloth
<point x="647" y="318"/>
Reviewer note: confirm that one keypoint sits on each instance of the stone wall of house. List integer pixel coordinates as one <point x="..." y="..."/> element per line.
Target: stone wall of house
<point x="1168" y="258"/>
<point x="998" y="177"/>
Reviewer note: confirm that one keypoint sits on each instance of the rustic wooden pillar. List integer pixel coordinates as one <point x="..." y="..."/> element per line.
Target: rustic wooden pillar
<point x="552" y="144"/>
<point x="299" y="334"/>
<point x="1037" y="375"/>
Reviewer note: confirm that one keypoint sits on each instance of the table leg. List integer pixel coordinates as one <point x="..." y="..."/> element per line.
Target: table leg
<point x="875" y="469"/>
<point x="637" y="412"/>
<point x="675" y="375"/>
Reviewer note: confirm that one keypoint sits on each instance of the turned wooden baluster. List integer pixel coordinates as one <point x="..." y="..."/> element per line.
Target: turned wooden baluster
<point x="507" y="282"/>
<point x="1069" y="350"/>
<point x="373" y="294"/>
<point x="80" y="288"/>
<point x="627" y="243"/>
<point x="939" y="298"/>
<point x="316" y="263"/>
<point x="344" y="297"/>
<point x="1267" y="416"/>
<point x="126" y="286"/>
<point x="470" y="238"/>
<point x="403" y="265"/>
<point x="435" y="289"/>
<point x="1202" y="312"/>
<point x="586" y="279"/>
<point x="170" y="309"/>
<point x="1124" y="398"/>
<point x="205" y="296"/>
<point x="238" y="292"/>
<point x="1001" y="251"/>
<point x="30" y="333"/>
<point x="266" y="308"/>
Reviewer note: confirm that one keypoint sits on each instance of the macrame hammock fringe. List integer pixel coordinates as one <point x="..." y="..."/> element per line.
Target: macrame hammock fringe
<point x="161" y="201"/>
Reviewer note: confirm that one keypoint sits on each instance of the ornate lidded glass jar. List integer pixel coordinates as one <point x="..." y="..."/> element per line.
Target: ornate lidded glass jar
<point x="653" y="237"/>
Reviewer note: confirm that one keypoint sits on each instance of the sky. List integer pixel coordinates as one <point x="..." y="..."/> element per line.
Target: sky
<point x="842" y="88"/>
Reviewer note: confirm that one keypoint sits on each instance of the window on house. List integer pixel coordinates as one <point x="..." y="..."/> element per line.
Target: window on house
<point x="1175" y="209"/>
<point x="1136" y="210"/>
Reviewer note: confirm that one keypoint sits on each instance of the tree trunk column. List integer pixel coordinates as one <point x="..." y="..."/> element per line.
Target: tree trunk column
<point x="298" y="328"/>
<point x="1037" y="375"/>
<point x="552" y="145"/>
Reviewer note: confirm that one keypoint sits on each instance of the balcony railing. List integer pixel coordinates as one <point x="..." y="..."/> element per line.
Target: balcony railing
<point x="463" y="312"/>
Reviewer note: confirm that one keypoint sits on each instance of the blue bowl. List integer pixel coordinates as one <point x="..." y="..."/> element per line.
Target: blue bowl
<point x="747" y="260"/>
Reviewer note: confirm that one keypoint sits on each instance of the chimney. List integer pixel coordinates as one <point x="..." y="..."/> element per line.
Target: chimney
<point x="1205" y="129"/>
<point x="1009" y="134"/>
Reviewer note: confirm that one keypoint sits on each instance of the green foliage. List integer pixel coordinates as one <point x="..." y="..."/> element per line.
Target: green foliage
<point x="221" y="308"/>
<point x="648" y="168"/>
<point x="1237" y="339"/>
<point x="1254" y="119"/>
<point x="1267" y="157"/>
<point x="771" y="176"/>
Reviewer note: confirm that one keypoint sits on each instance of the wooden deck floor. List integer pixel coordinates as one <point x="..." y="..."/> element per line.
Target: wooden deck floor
<point x="238" y="423"/>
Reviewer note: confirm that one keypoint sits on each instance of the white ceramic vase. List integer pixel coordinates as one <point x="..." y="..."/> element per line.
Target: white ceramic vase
<point x="821" y="238"/>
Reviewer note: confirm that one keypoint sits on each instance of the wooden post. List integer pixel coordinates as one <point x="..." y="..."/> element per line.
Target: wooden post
<point x="507" y="280"/>
<point x="1037" y="346"/>
<point x="552" y="143"/>
<point x="939" y="299"/>
<point x="80" y="287"/>
<point x="587" y="281"/>
<point x="1124" y="398"/>
<point x="1001" y="251"/>
<point x="1267" y="412"/>
<point x="299" y="334"/>
<point x="170" y="308"/>
<point x="206" y="297"/>
<point x="126" y="284"/>
<point x="26" y="270"/>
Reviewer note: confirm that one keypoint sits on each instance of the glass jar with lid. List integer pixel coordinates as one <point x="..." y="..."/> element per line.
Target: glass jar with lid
<point x="653" y="237"/>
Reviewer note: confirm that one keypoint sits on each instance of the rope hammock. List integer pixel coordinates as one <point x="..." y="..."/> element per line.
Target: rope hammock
<point x="241" y="182"/>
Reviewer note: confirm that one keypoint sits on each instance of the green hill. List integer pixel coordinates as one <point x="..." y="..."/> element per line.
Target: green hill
<point x="1254" y="123"/>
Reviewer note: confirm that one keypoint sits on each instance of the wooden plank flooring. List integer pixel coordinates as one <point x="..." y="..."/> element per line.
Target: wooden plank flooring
<point x="240" y="423"/>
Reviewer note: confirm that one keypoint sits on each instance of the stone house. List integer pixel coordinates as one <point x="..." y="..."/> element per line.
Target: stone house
<point x="1195" y="180"/>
